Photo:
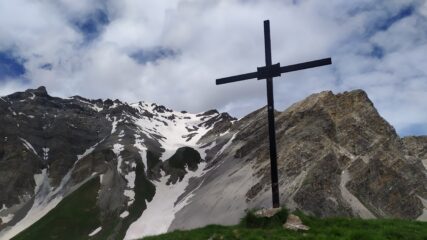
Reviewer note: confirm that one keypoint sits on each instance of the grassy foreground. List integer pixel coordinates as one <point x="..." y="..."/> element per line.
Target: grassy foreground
<point x="252" y="228"/>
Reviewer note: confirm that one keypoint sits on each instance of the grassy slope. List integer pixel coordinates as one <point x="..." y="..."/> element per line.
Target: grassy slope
<point x="321" y="229"/>
<point x="73" y="218"/>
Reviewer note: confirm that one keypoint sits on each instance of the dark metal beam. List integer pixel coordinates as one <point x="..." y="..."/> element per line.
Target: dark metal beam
<point x="236" y="78"/>
<point x="305" y="65"/>
<point x="271" y="123"/>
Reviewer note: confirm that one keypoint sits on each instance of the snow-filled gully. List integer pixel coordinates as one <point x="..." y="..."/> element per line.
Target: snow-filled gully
<point x="161" y="210"/>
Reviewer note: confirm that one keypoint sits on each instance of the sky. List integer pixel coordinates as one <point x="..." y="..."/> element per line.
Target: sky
<point x="171" y="51"/>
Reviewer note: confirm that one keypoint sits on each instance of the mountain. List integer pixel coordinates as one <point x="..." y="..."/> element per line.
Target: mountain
<point x="78" y="168"/>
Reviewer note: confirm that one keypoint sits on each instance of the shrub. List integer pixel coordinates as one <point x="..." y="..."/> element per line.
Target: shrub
<point x="250" y="220"/>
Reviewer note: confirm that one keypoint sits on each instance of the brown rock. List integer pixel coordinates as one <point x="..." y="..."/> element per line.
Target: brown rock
<point x="294" y="223"/>
<point x="267" y="212"/>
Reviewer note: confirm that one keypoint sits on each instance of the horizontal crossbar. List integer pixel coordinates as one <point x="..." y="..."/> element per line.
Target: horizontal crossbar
<point x="262" y="71"/>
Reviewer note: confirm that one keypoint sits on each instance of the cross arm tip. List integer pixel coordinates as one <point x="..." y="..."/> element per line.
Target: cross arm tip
<point x="236" y="78"/>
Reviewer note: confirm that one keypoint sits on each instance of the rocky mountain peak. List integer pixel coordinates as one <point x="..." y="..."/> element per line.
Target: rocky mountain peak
<point x="342" y="103"/>
<point x="40" y="91"/>
<point x="348" y="116"/>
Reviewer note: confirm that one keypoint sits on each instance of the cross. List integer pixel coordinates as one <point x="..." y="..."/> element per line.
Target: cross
<point x="268" y="72"/>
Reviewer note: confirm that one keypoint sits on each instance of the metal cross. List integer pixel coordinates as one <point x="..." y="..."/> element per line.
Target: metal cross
<point x="268" y="72"/>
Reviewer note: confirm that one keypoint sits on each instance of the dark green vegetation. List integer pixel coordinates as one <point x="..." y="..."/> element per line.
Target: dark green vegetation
<point x="252" y="228"/>
<point x="73" y="218"/>
<point x="250" y="220"/>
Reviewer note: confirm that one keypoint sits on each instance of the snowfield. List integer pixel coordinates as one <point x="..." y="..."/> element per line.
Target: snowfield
<point x="160" y="212"/>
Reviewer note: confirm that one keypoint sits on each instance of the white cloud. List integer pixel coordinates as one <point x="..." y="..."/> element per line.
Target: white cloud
<point x="219" y="38"/>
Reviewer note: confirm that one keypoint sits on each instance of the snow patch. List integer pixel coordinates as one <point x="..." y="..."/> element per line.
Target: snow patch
<point x="226" y="145"/>
<point x="113" y="106"/>
<point x="424" y="161"/>
<point x="4" y="215"/>
<point x="130" y="177"/>
<point x="90" y="105"/>
<point x="3" y="208"/>
<point x="161" y="211"/>
<point x="114" y="125"/>
<point x="117" y="149"/>
<point x="124" y="214"/>
<point x="7" y="218"/>
<point x="224" y="133"/>
<point x="142" y="150"/>
<point x="88" y="151"/>
<point x="131" y="196"/>
<point x="121" y="134"/>
<point x="28" y="146"/>
<point x="94" y="232"/>
<point x="13" y="112"/>
<point x="45" y="154"/>
<point x="96" y="108"/>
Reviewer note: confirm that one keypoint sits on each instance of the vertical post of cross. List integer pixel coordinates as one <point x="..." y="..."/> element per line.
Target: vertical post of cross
<point x="271" y="124"/>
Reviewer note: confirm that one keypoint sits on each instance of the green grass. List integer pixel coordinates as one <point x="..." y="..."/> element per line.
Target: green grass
<point x="251" y="228"/>
<point x="73" y="218"/>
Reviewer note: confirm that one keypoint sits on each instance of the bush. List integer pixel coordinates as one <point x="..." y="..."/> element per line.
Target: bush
<point x="250" y="220"/>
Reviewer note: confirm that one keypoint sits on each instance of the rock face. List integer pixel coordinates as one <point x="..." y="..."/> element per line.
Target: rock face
<point x="161" y="170"/>
<point x="416" y="148"/>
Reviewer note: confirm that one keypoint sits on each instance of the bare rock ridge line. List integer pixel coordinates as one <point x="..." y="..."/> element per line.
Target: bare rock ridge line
<point x="151" y="169"/>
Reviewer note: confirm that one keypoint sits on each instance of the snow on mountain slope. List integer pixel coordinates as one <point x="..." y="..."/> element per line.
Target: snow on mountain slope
<point x="165" y="204"/>
<point x="177" y="129"/>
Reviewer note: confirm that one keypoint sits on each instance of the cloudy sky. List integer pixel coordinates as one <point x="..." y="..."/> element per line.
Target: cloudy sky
<point x="171" y="51"/>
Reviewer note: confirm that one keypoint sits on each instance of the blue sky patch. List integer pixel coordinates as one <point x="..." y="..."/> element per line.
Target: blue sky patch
<point x="414" y="130"/>
<point x="46" y="66"/>
<point x="144" y="56"/>
<point x="386" y="23"/>
<point x="377" y="52"/>
<point x="10" y="66"/>
<point x="92" y="25"/>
